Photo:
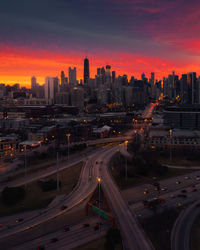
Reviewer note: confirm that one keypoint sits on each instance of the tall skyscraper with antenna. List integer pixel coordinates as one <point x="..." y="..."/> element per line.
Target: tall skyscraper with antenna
<point x="86" y="73"/>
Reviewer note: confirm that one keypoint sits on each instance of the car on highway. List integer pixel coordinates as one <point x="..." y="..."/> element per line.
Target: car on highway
<point x="53" y="240"/>
<point x="86" y="225"/>
<point x="197" y="178"/>
<point x="66" y="228"/>
<point x="186" y="177"/>
<point x="179" y="204"/>
<point x="146" y="191"/>
<point x="178" y="182"/>
<point x="63" y="207"/>
<point x="19" y="220"/>
<point x="164" y="189"/>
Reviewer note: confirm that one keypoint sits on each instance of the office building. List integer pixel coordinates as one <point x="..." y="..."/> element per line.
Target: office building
<point x="77" y="97"/>
<point x="51" y="89"/>
<point x="72" y="76"/>
<point x="86" y="73"/>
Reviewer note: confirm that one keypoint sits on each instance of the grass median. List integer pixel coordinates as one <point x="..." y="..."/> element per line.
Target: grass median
<point x="36" y="198"/>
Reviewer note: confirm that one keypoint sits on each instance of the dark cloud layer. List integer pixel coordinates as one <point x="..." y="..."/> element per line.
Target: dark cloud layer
<point x="161" y="28"/>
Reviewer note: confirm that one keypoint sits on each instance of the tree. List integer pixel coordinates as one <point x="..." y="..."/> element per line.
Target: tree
<point x="12" y="195"/>
<point x="113" y="238"/>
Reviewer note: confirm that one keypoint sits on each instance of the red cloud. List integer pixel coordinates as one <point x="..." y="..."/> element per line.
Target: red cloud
<point x="20" y="64"/>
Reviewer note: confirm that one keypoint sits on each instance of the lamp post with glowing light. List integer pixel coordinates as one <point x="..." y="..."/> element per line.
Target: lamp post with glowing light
<point x="68" y="135"/>
<point x="99" y="183"/>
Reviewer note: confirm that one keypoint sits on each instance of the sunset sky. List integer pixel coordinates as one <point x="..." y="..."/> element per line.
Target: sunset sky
<point x="43" y="37"/>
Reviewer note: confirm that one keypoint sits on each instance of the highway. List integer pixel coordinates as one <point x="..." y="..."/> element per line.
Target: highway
<point x="180" y="235"/>
<point x="76" y="236"/>
<point x="84" y="189"/>
<point x="132" y="233"/>
<point x="130" y="229"/>
<point x="135" y="194"/>
<point x="172" y="199"/>
<point x="63" y="165"/>
<point x="149" y="110"/>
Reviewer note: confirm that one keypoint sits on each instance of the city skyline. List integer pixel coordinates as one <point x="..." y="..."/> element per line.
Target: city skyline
<point x="148" y="37"/>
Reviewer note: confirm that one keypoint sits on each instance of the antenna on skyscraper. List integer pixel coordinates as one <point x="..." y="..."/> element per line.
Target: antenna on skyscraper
<point x="86" y="53"/>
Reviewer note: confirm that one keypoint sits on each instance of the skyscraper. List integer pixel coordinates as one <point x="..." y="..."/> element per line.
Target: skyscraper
<point x="51" y="88"/>
<point x="64" y="81"/>
<point x="33" y="82"/>
<point x="62" y="76"/>
<point x="192" y="88"/>
<point x="152" y="83"/>
<point x="77" y="97"/>
<point x="86" y="74"/>
<point x="108" y="75"/>
<point x="113" y="76"/>
<point x="98" y="71"/>
<point x="72" y="76"/>
<point x="103" y="75"/>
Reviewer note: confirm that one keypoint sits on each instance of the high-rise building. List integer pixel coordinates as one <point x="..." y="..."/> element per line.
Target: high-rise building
<point x="192" y="88"/>
<point x="113" y="76"/>
<point x="143" y="77"/>
<point x="62" y="77"/>
<point x="77" y="97"/>
<point x="51" y="88"/>
<point x="98" y="71"/>
<point x="34" y="86"/>
<point x="103" y="75"/>
<point x="33" y="82"/>
<point x="86" y="73"/>
<point x="128" y="95"/>
<point x="72" y="76"/>
<point x="184" y="89"/>
<point x="64" y="82"/>
<point x="152" y="83"/>
<point x="108" y="68"/>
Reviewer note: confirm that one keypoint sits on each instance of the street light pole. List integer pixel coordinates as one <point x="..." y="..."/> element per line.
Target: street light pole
<point x="68" y="135"/>
<point x="99" y="182"/>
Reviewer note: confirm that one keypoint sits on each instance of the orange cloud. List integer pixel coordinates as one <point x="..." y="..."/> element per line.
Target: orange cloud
<point x="18" y="65"/>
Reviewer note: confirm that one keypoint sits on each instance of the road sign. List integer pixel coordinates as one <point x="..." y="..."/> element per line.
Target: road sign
<point x="100" y="212"/>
